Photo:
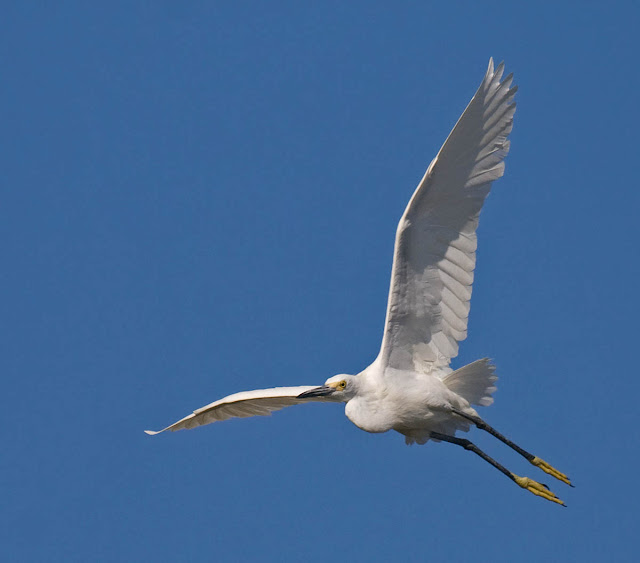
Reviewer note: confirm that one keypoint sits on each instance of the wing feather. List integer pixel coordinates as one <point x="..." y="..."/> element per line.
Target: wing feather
<point x="435" y="249"/>
<point x="260" y="402"/>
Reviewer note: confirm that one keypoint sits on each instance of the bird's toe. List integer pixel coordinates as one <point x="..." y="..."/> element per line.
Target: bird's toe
<point x="550" y="470"/>
<point x="537" y="489"/>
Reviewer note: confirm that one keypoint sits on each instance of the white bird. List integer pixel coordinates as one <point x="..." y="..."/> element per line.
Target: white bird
<point x="410" y="387"/>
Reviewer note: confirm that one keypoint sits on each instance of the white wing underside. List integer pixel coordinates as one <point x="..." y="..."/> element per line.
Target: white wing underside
<point x="435" y="248"/>
<point x="434" y="258"/>
<point x="260" y="402"/>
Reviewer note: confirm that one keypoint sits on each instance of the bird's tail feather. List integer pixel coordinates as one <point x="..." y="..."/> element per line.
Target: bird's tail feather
<point x="474" y="382"/>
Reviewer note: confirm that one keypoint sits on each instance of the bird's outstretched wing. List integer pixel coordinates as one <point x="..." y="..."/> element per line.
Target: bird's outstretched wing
<point x="260" y="402"/>
<point x="434" y="255"/>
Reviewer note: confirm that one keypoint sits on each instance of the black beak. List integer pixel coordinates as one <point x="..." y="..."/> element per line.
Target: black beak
<point x="322" y="391"/>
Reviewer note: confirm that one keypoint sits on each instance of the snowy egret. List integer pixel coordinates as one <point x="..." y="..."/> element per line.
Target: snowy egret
<point x="410" y="387"/>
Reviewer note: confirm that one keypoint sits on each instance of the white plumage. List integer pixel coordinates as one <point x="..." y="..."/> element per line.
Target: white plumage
<point x="259" y="402"/>
<point x="435" y="250"/>
<point x="410" y="387"/>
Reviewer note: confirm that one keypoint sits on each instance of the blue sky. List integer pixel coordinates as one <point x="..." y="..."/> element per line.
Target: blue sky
<point x="202" y="199"/>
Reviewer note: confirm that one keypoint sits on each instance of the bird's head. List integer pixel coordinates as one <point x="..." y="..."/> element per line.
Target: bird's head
<point x="340" y="387"/>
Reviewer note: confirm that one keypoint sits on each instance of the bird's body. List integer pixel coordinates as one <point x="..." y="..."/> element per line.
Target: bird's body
<point x="411" y="403"/>
<point x="410" y="387"/>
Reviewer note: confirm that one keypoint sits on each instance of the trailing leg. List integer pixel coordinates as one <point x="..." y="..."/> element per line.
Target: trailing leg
<point x="530" y="485"/>
<point x="534" y="460"/>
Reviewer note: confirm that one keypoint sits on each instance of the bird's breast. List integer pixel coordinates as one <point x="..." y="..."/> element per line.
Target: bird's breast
<point x="369" y="415"/>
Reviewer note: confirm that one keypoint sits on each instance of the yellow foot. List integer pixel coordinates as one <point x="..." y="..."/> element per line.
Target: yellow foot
<point x="537" y="489"/>
<point x="551" y="470"/>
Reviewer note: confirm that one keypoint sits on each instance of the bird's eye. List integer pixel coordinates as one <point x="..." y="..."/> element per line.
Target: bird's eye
<point x="342" y="385"/>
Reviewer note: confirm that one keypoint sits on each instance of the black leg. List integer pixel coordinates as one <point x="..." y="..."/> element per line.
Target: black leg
<point x="534" y="460"/>
<point x="524" y="482"/>
<point x="468" y="445"/>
